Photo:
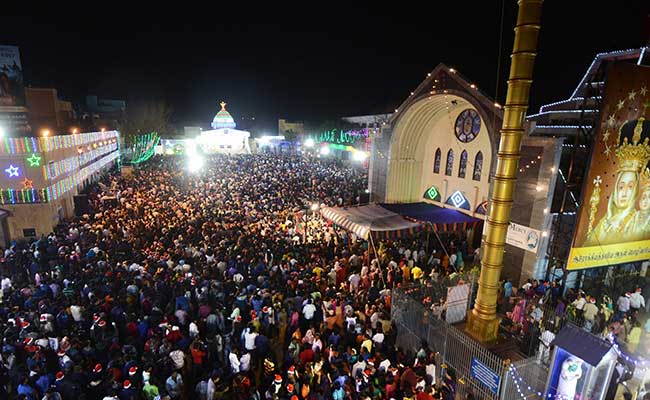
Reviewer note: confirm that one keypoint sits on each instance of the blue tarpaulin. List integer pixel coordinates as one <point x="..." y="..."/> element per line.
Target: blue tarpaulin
<point x="442" y="219"/>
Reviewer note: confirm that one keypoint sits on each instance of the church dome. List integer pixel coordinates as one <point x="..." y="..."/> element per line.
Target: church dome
<point x="223" y="119"/>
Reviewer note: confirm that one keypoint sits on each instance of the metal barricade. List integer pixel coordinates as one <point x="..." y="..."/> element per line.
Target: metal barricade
<point x="416" y="325"/>
<point x="524" y="379"/>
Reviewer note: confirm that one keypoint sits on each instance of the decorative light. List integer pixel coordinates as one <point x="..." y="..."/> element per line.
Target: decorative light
<point x="497" y="105"/>
<point x="325" y="150"/>
<point x="27" y="184"/>
<point x="12" y="171"/>
<point x="453" y="71"/>
<point x="552" y="169"/>
<point x="314" y="206"/>
<point x="546" y="211"/>
<point x="74" y="131"/>
<point x="544" y="234"/>
<point x="45" y="132"/>
<point x="34" y="160"/>
<point x="473" y="86"/>
<point x="359" y="155"/>
<point x="538" y="188"/>
<point x="309" y="142"/>
<point x="429" y="74"/>
<point x="103" y="129"/>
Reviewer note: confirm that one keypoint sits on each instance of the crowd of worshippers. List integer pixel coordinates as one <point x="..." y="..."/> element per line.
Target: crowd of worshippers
<point x="193" y="286"/>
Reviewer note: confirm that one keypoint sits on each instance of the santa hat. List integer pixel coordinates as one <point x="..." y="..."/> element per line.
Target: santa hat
<point x="28" y="340"/>
<point x="98" y="368"/>
<point x="127" y="384"/>
<point x="61" y="353"/>
<point x="371" y="362"/>
<point x="265" y="309"/>
<point x="42" y="318"/>
<point x="294" y="397"/>
<point x="278" y="379"/>
<point x="59" y="375"/>
<point x="193" y="281"/>
<point x="290" y="387"/>
<point x="25" y="324"/>
<point x="628" y="294"/>
<point x="366" y="373"/>
<point x="133" y="370"/>
<point x="292" y="370"/>
<point x="95" y="317"/>
<point x="239" y="318"/>
<point x="101" y="323"/>
<point x="592" y="300"/>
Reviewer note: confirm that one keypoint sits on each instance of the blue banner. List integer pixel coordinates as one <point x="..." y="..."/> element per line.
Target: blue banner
<point x="485" y="375"/>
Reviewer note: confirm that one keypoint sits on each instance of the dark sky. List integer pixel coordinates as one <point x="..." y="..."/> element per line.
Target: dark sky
<point x="306" y="61"/>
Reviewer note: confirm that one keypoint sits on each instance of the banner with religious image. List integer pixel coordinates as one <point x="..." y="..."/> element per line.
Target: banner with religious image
<point x="614" y="219"/>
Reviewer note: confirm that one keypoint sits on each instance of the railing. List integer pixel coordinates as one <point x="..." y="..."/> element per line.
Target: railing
<point x="416" y="325"/>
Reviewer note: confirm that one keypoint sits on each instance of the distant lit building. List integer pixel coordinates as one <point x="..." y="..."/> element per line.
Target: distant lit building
<point x="290" y="130"/>
<point x="39" y="177"/>
<point x="101" y="113"/>
<point x="223" y="137"/>
<point x="47" y="111"/>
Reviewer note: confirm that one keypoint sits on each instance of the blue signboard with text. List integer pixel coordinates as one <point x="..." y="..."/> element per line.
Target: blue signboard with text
<point x="485" y="375"/>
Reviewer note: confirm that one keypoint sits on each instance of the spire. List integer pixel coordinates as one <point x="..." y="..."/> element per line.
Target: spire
<point x="223" y="105"/>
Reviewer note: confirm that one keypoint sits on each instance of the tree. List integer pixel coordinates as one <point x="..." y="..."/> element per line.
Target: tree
<point x="146" y="117"/>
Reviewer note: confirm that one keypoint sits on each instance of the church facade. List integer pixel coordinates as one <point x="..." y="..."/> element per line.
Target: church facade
<point x="440" y="147"/>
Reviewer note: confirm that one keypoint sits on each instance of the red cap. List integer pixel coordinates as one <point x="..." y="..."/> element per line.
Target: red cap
<point x="95" y="317"/>
<point x="265" y="309"/>
<point x="278" y="379"/>
<point x="127" y="384"/>
<point x="42" y="318"/>
<point x="61" y="352"/>
<point x="292" y="370"/>
<point x="101" y="323"/>
<point x="28" y="340"/>
<point x="239" y="318"/>
<point x="592" y="300"/>
<point x="59" y="375"/>
<point x="25" y="324"/>
<point x="98" y="368"/>
<point x="290" y="387"/>
<point x="366" y="373"/>
<point x="371" y="361"/>
<point x="294" y="397"/>
<point x="133" y="370"/>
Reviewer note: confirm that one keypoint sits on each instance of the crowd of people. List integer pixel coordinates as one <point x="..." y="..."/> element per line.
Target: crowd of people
<point x="538" y="309"/>
<point x="209" y="286"/>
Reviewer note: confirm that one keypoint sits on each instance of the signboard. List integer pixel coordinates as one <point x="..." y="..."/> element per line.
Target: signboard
<point x="432" y="194"/>
<point x="457" y="298"/>
<point x="485" y="375"/>
<point x="13" y="114"/>
<point x="523" y="237"/>
<point x="613" y="225"/>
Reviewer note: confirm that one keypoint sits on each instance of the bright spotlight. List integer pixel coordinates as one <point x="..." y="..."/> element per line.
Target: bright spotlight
<point x="324" y="150"/>
<point x="309" y="142"/>
<point x="314" y="206"/>
<point x="359" y="156"/>
<point x="195" y="163"/>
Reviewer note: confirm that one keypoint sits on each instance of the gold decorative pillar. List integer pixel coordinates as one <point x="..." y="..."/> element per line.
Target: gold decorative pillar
<point x="482" y="322"/>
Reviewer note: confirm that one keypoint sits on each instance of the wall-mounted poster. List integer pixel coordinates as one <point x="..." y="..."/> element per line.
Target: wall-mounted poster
<point x="614" y="219"/>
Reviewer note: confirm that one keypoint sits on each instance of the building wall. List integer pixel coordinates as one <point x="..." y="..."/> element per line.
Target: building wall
<point x="285" y="126"/>
<point x="40" y="176"/>
<point x="426" y="126"/>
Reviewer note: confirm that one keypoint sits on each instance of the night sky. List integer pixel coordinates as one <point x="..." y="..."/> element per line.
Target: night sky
<point x="301" y="61"/>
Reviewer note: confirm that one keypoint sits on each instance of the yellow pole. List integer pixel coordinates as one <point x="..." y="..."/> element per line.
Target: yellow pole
<point x="482" y="322"/>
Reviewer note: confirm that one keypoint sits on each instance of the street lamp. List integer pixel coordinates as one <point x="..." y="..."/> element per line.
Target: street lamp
<point x="309" y="142"/>
<point x="45" y="132"/>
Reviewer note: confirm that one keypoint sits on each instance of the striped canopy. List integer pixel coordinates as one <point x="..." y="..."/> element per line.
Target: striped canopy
<point x="371" y="219"/>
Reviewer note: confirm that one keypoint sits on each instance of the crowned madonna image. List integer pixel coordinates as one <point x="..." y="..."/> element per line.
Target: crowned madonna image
<point x="628" y="208"/>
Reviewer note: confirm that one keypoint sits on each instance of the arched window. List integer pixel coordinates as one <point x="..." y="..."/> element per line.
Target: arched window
<point x="450" y="162"/>
<point x="463" y="164"/>
<point x="478" y="166"/>
<point x="436" y="161"/>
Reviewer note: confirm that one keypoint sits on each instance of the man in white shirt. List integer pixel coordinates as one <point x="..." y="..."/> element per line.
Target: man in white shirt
<point x="636" y="300"/>
<point x="234" y="361"/>
<point x="354" y="280"/>
<point x="245" y="362"/>
<point x="378" y="338"/>
<point x="308" y="310"/>
<point x="249" y="338"/>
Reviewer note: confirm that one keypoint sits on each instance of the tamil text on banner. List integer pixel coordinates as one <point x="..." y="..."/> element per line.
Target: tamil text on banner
<point x="613" y="224"/>
<point x="523" y="237"/>
<point x="13" y="114"/>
